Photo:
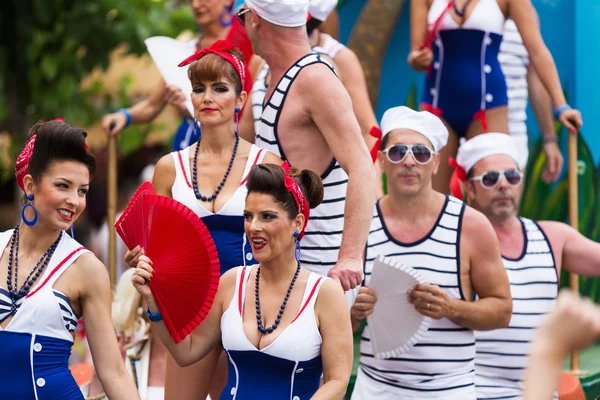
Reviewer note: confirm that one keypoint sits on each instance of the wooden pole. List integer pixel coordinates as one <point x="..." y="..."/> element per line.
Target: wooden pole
<point x="111" y="181"/>
<point x="573" y="220"/>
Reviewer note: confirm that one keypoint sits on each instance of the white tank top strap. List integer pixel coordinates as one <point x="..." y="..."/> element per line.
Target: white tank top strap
<point x="66" y="253"/>
<point x="311" y="293"/>
<point x="182" y="167"/>
<point x="255" y="157"/>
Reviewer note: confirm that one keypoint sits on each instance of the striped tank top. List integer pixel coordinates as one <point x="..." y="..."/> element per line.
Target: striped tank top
<point x="502" y="354"/>
<point x="514" y="61"/>
<point x="323" y="236"/>
<point x="441" y="365"/>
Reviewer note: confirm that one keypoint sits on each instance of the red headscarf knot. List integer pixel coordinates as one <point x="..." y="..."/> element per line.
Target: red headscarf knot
<point x="220" y="48"/>
<point x="22" y="164"/>
<point x="296" y="192"/>
<point x="377" y="134"/>
<point x="459" y="175"/>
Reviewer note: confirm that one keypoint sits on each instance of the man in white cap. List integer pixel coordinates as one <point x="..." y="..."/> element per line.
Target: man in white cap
<point x="316" y="130"/>
<point x="533" y="254"/>
<point x="452" y="246"/>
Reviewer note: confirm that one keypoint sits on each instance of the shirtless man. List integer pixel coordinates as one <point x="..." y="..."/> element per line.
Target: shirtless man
<point x="315" y="130"/>
<point x="452" y="246"/>
<point x="533" y="254"/>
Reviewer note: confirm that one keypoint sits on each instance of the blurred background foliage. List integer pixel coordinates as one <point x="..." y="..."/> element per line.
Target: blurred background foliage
<point x="49" y="47"/>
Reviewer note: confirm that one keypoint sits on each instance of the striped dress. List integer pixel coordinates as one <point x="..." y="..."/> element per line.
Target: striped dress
<point x="441" y="365"/>
<point x="323" y="236"/>
<point x="502" y="354"/>
<point x="514" y="61"/>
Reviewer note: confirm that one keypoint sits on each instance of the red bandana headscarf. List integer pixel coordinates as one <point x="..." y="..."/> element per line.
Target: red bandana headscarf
<point x="22" y="164"/>
<point x="220" y="48"/>
<point x="296" y="192"/>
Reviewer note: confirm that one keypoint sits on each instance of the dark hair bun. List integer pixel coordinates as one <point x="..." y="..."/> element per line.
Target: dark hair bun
<point x="312" y="187"/>
<point x="268" y="179"/>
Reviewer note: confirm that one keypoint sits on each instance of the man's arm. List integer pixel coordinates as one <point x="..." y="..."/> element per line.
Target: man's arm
<point x="330" y="108"/>
<point x="542" y="107"/>
<point x="489" y="281"/>
<point x="580" y="255"/>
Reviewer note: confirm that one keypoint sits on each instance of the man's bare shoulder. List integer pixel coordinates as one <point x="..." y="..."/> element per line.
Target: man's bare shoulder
<point x="318" y="77"/>
<point x="557" y="232"/>
<point x="476" y="228"/>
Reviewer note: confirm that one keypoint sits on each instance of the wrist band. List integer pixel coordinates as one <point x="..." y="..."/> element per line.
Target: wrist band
<point x="156" y="317"/>
<point x="550" y="139"/>
<point x="127" y="115"/>
<point x="560" y="109"/>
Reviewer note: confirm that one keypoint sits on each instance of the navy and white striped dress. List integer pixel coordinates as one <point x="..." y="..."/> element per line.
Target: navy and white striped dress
<point x="441" y="365"/>
<point x="502" y="354"/>
<point x="323" y="236"/>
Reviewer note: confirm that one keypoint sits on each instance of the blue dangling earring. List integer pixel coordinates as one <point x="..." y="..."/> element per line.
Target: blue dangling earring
<point x="35" y="213"/>
<point x="72" y="232"/>
<point x="237" y="121"/>
<point x="226" y="18"/>
<point x="297" y="252"/>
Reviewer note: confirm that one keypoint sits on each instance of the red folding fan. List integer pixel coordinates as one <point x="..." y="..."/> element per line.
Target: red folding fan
<point x="127" y="228"/>
<point x="184" y="256"/>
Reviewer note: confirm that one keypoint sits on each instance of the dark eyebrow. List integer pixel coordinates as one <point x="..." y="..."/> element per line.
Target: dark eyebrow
<point x="70" y="183"/>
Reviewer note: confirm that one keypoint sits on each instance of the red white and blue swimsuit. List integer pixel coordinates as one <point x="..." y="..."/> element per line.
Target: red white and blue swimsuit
<point x="465" y="78"/>
<point x="36" y="344"/>
<point x="289" y="368"/>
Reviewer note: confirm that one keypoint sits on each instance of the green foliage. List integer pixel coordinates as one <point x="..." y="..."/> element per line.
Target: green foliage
<point x="48" y="46"/>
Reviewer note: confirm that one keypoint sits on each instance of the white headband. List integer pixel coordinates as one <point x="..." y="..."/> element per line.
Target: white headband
<point x="423" y="122"/>
<point x="287" y="13"/>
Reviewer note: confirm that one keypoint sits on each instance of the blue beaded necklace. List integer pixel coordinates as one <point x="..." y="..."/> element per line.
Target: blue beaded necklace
<point x="460" y="13"/>
<point x="270" y="329"/>
<point x="13" y="260"/>
<point x="197" y="193"/>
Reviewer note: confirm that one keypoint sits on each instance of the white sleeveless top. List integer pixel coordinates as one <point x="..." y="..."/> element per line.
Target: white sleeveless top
<point x="502" y="354"/>
<point x="183" y="192"/>
<point x="45" y="311"/>
<point x="300" y="341"/>
<point x="441" y="364"/>
<point x="486" y="16"/>
<point x="323" y="236"/>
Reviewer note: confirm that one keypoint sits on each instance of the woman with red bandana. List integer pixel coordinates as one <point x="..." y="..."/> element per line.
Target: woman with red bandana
<point x="209" y="177"/>
<point x="299" y="327"/>
<point x="215" y="22"/>
<point x="52" y="280"/>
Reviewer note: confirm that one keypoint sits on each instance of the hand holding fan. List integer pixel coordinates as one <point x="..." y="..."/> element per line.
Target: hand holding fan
<point x="395" y="324"/>
<point x="184" y="256"/>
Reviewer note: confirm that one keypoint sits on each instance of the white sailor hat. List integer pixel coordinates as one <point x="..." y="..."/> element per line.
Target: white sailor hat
<point x="287" y="13"/>
<point x="485" y="145"/>
<point x="422" y="122"/>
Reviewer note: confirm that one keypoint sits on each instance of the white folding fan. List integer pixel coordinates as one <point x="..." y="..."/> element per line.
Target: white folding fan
<point x="395" y="325"/>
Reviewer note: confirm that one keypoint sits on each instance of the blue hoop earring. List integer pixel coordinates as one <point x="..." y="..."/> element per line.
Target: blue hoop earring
<point x="237" y="121"/>
<point x="297" y="251"/>
<point x="226" y="19"/>
<point x="35" y="213"/>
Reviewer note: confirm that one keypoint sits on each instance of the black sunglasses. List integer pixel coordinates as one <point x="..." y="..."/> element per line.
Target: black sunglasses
<point x="398" y="152"/>
<point x="491" y="179"/>
<point x="240" y="15"/>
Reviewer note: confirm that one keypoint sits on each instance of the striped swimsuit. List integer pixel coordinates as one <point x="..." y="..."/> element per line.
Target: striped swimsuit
<point x="323" y="236"/>
<point x="502" y="354"/>
<point x="36" y="344"/>
<point x="441" y="365"/>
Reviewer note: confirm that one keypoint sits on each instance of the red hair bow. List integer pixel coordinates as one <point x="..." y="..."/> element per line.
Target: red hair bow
<point x="220" y="48"/>
<point x="459" y="175"/>
<point x="377" y="134"/>
<point x="296" y="192"/>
